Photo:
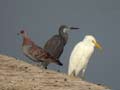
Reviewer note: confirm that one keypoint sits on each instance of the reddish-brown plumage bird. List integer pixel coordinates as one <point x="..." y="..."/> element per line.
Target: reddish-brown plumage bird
<point x="36" y="53"/>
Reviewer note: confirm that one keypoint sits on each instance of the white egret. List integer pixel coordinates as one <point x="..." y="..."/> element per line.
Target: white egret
<point x="81" y="54"/>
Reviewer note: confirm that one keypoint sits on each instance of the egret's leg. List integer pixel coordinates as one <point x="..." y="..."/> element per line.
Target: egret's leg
<point x="73" y="75"/>
<point x="83" y="73"/>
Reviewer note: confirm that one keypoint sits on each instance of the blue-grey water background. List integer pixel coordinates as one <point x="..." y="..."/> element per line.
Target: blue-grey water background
<point x="42" y="18"/>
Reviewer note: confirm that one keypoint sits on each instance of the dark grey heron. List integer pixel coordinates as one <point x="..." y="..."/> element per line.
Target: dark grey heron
<point x="55" y="45"/>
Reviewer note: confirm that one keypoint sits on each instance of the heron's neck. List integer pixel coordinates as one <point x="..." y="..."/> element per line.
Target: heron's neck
<point x="64" y="36"/>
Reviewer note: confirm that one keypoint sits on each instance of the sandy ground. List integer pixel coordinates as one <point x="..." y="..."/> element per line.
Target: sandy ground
<point x="19" y="75"/>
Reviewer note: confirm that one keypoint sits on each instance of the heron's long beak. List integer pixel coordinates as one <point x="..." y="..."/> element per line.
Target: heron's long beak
<point x="69" y="29"/>
<point x="97" y="45"/>
<point x="74" y="28"/>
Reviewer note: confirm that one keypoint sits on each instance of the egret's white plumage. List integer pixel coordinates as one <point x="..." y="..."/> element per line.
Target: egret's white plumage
<point x="81" y="54"/>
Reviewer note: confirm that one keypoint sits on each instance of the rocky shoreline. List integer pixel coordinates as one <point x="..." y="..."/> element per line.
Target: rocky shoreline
<point x="19" y="75"/>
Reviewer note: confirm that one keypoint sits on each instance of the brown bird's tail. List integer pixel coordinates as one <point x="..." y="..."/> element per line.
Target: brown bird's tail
<point x="59" y="63"/>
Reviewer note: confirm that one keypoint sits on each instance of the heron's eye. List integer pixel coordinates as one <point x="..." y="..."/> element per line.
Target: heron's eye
<point x="65" y="30"/>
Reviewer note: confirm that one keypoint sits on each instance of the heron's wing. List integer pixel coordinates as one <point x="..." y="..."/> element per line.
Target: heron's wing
<point x="55" y="46"/>
<point x="75" y="58"/>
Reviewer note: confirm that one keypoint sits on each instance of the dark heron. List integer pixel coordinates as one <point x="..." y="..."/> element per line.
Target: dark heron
<point x="55" y="45"/>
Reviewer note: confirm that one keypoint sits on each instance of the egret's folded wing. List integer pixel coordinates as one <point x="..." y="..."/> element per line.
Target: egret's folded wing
<point x="75" y="57"/>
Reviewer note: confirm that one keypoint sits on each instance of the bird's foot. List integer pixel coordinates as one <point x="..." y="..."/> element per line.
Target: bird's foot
<point x="83" y="78"/>
<point x="41" y="67"/>
<point x="42" y="70"/>
<point x="58" y="70"/>
<point x="72" y="77"/>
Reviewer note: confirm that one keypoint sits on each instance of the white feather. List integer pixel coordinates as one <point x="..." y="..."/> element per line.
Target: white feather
<point x="80" y="56"/>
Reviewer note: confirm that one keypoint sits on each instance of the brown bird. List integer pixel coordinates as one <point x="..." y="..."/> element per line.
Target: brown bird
<point x="36" y="53"/>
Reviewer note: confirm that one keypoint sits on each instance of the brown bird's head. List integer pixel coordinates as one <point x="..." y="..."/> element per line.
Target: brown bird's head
<point x="26" y="39"/>
<point x="22" y="33"/>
